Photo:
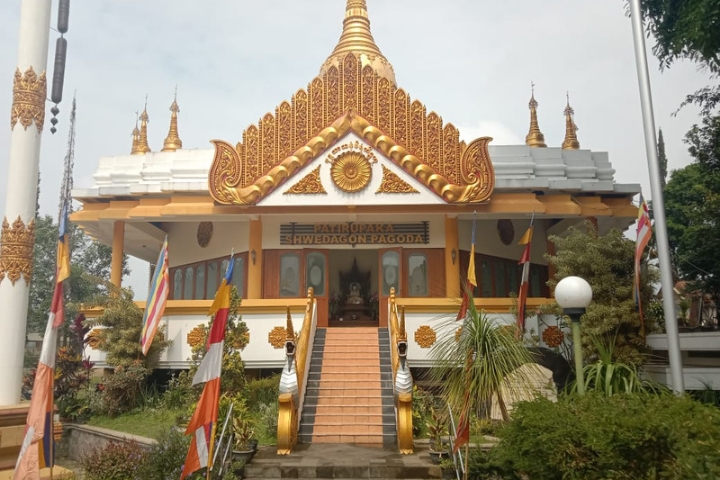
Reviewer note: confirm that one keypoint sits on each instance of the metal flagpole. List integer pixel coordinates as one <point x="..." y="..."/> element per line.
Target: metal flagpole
<point x="666" y="282"/>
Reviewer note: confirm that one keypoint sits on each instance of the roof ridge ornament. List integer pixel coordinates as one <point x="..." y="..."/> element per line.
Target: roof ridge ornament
<point x="172" y="141"/>
<point x="534" y="138"/>
<point x="571" y="141"/>
<point x="357" y="38"/>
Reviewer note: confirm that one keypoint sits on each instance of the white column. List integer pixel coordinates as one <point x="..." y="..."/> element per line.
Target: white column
<point x="18" y="237"/>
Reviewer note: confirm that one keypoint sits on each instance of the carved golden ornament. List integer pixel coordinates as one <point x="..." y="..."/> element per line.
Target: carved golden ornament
<point x="425" y="336"/>
<point x="391" y="183"/>
<point x="474" y="168"/>
<point x="348" y="97"/>
<point x="204" y="233"/>
<point x="94" y="339"/>
<point x="553" y="336"/>
<point x="309" y="185"/>
<point x="351" y="172"/>
<point x="196" y="336"/>
<point x="16" y="250"/>
<point x="277" y="337"/>
<point x="29" y="93"/>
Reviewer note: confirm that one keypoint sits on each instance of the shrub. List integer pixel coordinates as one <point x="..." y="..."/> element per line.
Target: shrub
<point x="165" y="458"/>
<point x="123" y="389"/>
<point x="611" y="437"/>
<point x="262" y="391"/>
<point x="117" y="461"/>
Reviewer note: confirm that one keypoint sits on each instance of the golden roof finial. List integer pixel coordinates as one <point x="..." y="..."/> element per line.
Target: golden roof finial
<point x="534" y="138"/>
<point x="142" y="140"/>
<point x="289" y="326"/>
<point x="357" y="38"/>
<point x="172" y="141"/>
<point x="571" y="140"/>
<point x="135" y="137"/>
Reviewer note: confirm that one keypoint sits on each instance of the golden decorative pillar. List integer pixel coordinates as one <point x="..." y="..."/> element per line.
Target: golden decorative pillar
<point x="452" y="258"/>
<point x="571" y="141"/>
<point x="118" y="247"/>
<point x="534" y="138"/>
<point x="172" y="141"/>
<point x="254" y="284"/>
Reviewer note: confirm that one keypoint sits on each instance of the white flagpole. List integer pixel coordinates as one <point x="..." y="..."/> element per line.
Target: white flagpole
<point x="666" y="281"/>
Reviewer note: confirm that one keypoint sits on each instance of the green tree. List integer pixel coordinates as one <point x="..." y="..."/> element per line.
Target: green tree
<point x="607" y="263"/>
<point x="692" y="203"/>
<point x="44" y="266"/>
<point x="119" y="337"/>
<point x="473" y="366"/>
<point x="662" y="158"/>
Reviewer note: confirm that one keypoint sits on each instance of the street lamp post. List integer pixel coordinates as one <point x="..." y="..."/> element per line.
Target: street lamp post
<point x="574" y="294"/>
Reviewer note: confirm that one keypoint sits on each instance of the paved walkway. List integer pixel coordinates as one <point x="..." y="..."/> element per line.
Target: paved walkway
<point x="347" y="461"/>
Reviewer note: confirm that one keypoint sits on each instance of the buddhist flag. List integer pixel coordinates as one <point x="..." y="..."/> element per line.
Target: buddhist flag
<point x="525" y="279"/>
<point x="157" y="299"/>
<point x="471" y="267"/>
<point x="203" y="421"/>
<point x="463" y="429"/>
<point x="644" y="233"/>
<point x="37" y="450"/>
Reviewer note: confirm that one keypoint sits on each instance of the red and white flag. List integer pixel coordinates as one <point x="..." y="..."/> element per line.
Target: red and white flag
<point x="644" y="233"/>
<point x="525" y="278"/>
<point x="203" y="421"/>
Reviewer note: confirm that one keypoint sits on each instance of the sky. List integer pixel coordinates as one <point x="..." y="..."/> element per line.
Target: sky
<point x="232" y="61"/>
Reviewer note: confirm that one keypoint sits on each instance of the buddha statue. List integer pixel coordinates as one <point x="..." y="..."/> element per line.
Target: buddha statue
<point x="354" y="297"/>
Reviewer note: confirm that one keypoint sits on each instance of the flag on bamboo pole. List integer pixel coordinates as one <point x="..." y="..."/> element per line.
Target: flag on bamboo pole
<point x="471" y="267"/>
<point x="37" y="450"/>
<point x="157" y="299"/>
<point x="463" y="431"/>
<point x="465" y="302"/>
<point x="644" y="233"/>
<point x="525" y="278"/>
<point x="203" y="421"/>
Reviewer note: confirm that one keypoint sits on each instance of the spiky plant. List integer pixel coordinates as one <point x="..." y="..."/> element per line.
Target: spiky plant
<point x="472" y="368"/>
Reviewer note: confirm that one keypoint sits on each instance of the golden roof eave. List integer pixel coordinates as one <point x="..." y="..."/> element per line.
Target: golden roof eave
<point x="476" y="167"/>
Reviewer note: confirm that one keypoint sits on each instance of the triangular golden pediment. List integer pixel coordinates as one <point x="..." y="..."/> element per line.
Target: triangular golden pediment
<point x="309" y="184"/>
<point x="474" y="165"/>
<point x="391" y="183"/>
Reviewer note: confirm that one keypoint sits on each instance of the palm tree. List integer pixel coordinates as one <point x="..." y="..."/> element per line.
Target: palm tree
<point x="471" y="366"/>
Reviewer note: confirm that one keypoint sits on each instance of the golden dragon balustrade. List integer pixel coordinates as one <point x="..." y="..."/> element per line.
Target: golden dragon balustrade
<point x="402" y="378"/>
<point x="293" y="380"/>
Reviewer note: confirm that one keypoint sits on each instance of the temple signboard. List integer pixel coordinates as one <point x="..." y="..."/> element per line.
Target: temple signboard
<point x="352" y="233"/>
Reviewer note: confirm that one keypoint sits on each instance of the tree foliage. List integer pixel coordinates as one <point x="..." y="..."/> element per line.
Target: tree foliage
<point x="607" y="263"/>
<point x="685" y="29"/>
<point x="692" y="203"/>
<point x="121" y="328"/>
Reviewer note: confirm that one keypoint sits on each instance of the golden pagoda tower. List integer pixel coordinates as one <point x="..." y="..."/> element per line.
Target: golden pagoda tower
<point x="142" y="140"/>
<point x="172" y="141"/>
<point x="357" y="38"/>
<point x="534" y="138"/>
<point x="135" y="150"/>
<point x="571" y="140"/>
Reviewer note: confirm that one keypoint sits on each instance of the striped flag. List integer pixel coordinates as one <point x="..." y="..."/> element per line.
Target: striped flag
<point x="157" y="299"/>
<point x="525" y="279"/>
<point x="37" y="450"/>
<point x="644" y="233"/>
<point x="203" y="421"/>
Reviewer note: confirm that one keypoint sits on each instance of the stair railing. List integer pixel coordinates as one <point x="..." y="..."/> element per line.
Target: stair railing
<point x="293" y="381"/>
<point x="457" y="456"/>
<point x="401" y="376"/>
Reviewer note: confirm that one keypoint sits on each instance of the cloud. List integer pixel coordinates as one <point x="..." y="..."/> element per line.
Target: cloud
<point x="501" y="134"/>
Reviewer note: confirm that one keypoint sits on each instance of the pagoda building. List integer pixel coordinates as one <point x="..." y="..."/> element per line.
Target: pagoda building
<point x="353" y="188"/>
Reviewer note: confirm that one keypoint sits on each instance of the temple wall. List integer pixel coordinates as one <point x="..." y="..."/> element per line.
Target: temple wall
<point x="487" y="239"/>
<point x="184" y="248"/>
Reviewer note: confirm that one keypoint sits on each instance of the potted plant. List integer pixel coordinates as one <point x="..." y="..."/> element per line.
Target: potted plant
<point x="245" y="445"/>
<point x="447" y="467"/>
<point x="437" y="428"/>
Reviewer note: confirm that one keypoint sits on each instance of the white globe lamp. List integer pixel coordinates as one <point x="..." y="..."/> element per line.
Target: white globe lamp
<point x="574" y="294"/>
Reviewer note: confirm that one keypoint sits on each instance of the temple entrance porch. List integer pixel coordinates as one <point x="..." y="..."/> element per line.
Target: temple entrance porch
<point x="353" y="279"/>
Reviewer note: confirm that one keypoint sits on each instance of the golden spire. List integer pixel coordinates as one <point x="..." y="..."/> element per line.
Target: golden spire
<point x="142" y="140"/>
<point x="172" y="141"/>
<point x="571" y="140"/>
<point x="135" y="138"/>
<point x="357" y="38"/>
<point x="534" y="138"/>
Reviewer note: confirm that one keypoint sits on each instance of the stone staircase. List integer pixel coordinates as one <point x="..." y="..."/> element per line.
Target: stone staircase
<point x="349" y="395"/>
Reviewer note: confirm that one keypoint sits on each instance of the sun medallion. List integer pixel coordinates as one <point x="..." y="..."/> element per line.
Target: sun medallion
<point x="351" y="172"/>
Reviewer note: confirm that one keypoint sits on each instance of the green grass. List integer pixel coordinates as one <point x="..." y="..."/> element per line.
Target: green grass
<point x="146" y="423"/>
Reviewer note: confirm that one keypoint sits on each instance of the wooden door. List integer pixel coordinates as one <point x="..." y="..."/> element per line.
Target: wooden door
<point x="390" y="276"/>
<point x="316" y="276"/>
